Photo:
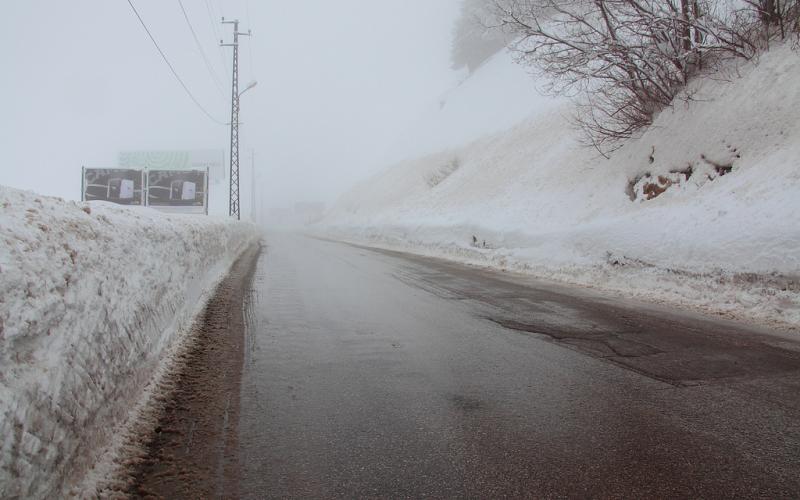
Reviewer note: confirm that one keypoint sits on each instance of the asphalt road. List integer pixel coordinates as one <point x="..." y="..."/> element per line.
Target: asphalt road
<point x="378" y="374"/>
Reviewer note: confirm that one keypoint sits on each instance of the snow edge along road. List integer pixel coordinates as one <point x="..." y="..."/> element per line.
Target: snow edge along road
<point x="190" y="446"/>
<point x="114" y="473"/>
<point x="96" y="299"/>
<point x="759" y="300"/>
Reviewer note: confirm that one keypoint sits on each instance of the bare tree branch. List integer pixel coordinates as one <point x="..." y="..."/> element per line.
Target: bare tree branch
<point x="626" y="60"/>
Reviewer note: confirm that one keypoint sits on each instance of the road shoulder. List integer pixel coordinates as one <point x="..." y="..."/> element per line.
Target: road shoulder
<point x="191" y="450"/>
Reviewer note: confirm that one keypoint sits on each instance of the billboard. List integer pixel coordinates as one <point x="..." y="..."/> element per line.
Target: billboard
<point x="212" y="160"/>
<point x="184" y="191"/>
<point x="118" y="185"/>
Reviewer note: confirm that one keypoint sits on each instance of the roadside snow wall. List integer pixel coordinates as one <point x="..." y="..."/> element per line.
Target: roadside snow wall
<point x="722" y="235"/>
<point x="91" y="297"/>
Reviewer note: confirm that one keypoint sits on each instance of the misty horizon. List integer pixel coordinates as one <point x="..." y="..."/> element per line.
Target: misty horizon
<point x="333" y="103"/>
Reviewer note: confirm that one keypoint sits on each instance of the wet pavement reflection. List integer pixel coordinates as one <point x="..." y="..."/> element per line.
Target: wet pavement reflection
<point x="376" y="374"/>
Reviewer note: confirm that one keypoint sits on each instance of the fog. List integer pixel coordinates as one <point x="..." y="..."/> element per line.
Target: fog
<point x="338" y="83"/>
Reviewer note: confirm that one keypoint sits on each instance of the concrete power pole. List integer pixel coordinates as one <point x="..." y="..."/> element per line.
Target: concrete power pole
<point x="233" y="198"/>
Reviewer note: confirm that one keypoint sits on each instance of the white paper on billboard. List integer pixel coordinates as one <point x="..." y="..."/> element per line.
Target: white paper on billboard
<point x="188" y="191"/>
<point x="126" y="189"/>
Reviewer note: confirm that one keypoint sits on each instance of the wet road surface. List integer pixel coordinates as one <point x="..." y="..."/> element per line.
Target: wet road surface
<point x="375" y="374"/>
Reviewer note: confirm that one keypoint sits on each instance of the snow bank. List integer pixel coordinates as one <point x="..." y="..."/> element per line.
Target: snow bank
<point x="726" y="239"/>
<point x="91" y="297"/>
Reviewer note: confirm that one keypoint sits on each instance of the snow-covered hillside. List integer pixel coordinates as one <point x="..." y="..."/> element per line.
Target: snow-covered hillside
<point x="92" y="298"/>
<point x="701" y="210"/>
<point x="497" y="96"/>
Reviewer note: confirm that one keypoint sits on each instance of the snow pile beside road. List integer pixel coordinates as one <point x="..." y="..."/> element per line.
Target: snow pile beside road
<point x="91" y="298"/>
<point x="719" y="233"/>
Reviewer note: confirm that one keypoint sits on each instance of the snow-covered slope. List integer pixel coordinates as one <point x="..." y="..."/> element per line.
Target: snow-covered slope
<point x="725" y="239"/>
<point x="92" y="297"/>
<point x="497" y="96"/>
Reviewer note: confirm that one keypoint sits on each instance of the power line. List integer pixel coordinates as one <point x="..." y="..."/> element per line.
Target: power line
<point x="249" y="42"/>
<point x="172" y="69"/>
<point x="202" y="52"/>
<point x="216" y="33"/>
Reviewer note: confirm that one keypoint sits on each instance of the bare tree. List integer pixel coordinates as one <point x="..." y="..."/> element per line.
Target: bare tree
<point x="776" y="16"/>
<point x="625" y="60"/>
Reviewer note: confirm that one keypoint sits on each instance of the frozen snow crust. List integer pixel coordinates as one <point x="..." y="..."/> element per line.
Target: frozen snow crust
<point x="544" y="205"/>
<point x="92" y="296"/>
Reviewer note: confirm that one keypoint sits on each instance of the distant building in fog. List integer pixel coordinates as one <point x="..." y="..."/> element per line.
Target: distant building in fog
<point x="309" y="212"/>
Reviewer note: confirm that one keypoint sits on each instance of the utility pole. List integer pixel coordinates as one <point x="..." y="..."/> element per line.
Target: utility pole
<point x="253" y="185"/>
<point x="233" y="198"/>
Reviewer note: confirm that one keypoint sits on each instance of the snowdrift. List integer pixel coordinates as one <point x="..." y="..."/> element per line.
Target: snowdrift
<point x="92" y="296"/>
<point x="702" y="210"/>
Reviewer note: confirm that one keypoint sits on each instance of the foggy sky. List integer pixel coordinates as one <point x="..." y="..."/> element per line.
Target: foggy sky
<point x="338" y="81"/>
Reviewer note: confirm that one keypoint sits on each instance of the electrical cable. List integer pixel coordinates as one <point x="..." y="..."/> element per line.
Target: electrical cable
<point x="216" y="33"/>
<point x="171" y="68"/>
<point x="202" y="52"/>
<point x="249" y="40"/>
